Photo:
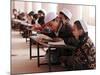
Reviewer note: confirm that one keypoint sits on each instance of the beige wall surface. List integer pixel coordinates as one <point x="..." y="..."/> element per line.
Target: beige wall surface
<point x="78" y="11"/>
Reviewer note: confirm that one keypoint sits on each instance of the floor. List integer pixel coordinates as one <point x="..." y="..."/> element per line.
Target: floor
<point x="20" y="62"/>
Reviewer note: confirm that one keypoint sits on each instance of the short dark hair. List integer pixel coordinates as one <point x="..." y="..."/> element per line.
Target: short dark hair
<point x="40" y="11"/>
<point x="35" y="16"/>
<point x="31" y="13"/>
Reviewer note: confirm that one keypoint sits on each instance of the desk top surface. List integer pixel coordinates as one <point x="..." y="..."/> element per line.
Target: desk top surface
<point x="22" y="22"/>
<point x="47" y="41"/>
<point x="50" y="42"/>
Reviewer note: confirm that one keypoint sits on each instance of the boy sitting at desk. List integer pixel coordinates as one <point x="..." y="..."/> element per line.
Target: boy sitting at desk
<point x="59" y="27"/>
<point x="84" y="56"/>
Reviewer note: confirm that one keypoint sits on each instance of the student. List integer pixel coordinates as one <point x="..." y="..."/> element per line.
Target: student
<point x="65" y="32"/>
<point x="50" y="28"/>
<point x="51" y="24"/>
<point x="31" y="13"/>
<point x="35" y="17"/>
<point x="21" y="16"/>
<point x="65" y="29"/>
<point x="41" y="16"/>
<point x="14" y="14"/>
<point x="84" y="56"/>
<point x="31" y="19"/>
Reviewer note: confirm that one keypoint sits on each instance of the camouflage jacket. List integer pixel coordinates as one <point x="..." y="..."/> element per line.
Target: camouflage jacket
<point x="90" y="51"/>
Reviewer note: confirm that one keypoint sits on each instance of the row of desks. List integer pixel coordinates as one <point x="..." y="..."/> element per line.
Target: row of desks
<point x="45" y="42"/>
<point x="21" y="22"/>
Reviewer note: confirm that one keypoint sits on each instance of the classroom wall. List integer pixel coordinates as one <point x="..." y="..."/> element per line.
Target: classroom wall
<point x="28" y="7"/>
<point x="19" y="5"/>
<point x="36" y="6"/>
<point x="49" y="7"/>
<point x="75" y="10"/>
<point x="88" y="13"/>
<point x="78" y="11"/>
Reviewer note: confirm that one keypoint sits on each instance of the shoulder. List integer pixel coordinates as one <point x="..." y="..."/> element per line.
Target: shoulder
<point x="68" y="26"/>
<point x="88" y="45"/>
<point x="89" y="42"/>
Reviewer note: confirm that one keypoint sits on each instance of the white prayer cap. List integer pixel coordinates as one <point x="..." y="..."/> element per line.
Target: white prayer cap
<point x="84" y="25"/>
<point x="50" y="16"/>
<point x="67" y="13"/>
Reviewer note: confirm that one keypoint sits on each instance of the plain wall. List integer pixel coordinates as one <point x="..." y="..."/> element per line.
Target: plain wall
<point x="78" y="11"/>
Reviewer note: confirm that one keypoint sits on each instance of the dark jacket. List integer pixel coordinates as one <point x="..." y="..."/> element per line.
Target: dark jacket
<point x="48" y="32"/>
<point x="65" y="31"/>
<point x="89" y="56"/>
<point x="32" y="22"/>
<point x="41" y="20"/>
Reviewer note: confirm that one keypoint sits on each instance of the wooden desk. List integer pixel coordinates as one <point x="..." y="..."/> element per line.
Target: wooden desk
<point x="22" y="26"/>
<point x="22" y="22"/>
<point x="45" y="44"/>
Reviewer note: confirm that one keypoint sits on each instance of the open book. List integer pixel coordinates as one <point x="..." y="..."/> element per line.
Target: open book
<point x="57" y="43"/>
<point x="51" y="41"/>
<point x="44" y="37"/>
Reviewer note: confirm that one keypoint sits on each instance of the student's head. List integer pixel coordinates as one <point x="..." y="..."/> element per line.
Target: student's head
<point x="22" y="14"/>
<point x="35" y="16"/>
<point x="31" y="13"/>
<point x="79" y="28"/>
<point x="29" y="16"/>
<point x="65" y="14"/>
<point x="14" y="10"/>
<point x="51" y="21"/>
<point x="41" y="13"/>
